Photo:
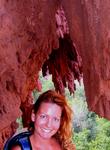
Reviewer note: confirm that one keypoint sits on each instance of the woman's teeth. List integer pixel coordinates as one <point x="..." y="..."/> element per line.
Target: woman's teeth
<point x="46" y="130"/>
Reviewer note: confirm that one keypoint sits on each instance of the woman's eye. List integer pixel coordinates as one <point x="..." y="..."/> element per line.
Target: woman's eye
<point x="42" y="116"/>
<point x="56" y="119"/>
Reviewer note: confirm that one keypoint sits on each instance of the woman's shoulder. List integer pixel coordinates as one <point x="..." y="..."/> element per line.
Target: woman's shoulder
<point x="17" y="140"/>
<point x="17" y="147"/>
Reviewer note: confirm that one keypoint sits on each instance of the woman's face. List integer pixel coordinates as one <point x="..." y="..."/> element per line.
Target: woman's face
<point x="47" y="120"/>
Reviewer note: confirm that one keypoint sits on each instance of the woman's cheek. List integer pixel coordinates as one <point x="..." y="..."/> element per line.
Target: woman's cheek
<point x="56" y="125"/>
<point x="39" y="122"/>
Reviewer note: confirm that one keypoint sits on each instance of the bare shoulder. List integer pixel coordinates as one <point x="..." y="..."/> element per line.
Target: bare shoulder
<point x="17" y="147"/>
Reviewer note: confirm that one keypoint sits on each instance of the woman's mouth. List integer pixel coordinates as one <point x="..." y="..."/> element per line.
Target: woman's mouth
<point x="46" y="130"/>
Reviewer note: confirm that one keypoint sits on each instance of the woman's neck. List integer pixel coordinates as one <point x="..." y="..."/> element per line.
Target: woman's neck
<point x="37" y="138"/>
<point x="40" y="143"/>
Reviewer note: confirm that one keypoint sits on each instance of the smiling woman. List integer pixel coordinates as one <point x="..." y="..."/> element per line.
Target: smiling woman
<point x="50" y="126"/>
<point x="47" y="120"/>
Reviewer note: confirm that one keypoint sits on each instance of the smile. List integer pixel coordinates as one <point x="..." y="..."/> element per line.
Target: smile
<point x="46" y="130"/>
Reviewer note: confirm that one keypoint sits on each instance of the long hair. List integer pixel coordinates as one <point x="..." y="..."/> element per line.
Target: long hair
<point x="64" y="133"/>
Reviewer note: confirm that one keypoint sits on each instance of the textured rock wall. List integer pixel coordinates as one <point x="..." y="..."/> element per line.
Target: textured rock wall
<point x="89" y="23"/>
<point x="27" y="36"/>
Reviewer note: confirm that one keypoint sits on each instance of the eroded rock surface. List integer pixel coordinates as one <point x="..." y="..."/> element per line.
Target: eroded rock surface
<point x="89" y="24"/>
<point x="27" y="36"/>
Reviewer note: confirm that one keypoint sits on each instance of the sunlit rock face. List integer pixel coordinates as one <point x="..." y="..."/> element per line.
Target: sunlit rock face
<point x="28" y="34"/>
<point x="89" y="25"/>
<point x="64" y="63"/>
<point x="27" y="37"/>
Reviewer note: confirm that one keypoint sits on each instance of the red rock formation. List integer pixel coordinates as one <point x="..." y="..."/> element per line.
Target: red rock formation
<point x="65" y="65"/>
<point x="89" y="24"/>
<point x="28" y="36"/>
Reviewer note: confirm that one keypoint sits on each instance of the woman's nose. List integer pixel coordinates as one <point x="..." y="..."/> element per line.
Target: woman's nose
<point x="49" y="123"/>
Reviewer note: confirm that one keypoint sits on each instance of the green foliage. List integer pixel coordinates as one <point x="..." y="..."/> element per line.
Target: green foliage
<point x="46" y="85"/>
<point x="81" y="139"/>
<point x="101" y="140"/>
<point x="19" y="121"/>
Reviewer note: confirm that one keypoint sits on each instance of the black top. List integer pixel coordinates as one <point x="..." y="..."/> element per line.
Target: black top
<point x="21" y="139"/>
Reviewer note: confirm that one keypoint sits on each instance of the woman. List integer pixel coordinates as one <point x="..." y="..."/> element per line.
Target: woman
<point x="51" y="126"/>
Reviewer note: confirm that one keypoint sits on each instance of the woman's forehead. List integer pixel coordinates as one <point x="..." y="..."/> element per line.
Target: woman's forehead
<point x="50" y="108"/>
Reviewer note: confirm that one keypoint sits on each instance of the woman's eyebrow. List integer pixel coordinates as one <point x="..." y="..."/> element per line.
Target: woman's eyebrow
<point x="58" y="117"/>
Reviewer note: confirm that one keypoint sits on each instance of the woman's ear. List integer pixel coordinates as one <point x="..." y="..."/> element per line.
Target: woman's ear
<point x="33" y="116"/>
